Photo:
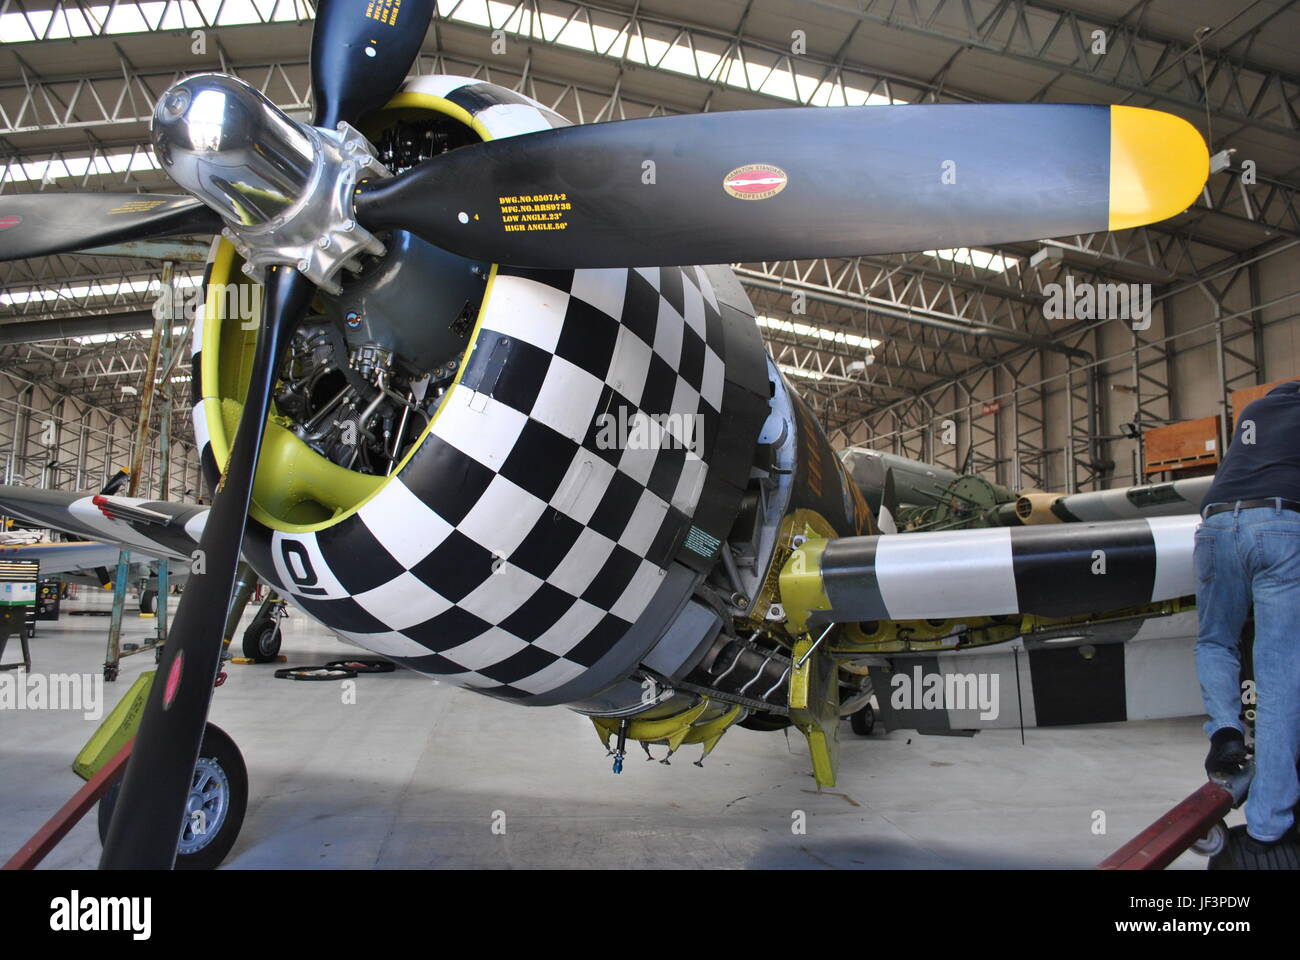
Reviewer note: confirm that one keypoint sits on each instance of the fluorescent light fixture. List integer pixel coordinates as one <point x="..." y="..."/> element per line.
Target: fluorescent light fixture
<point x="1221" y="161"/>
<point x="1046" y="253"/>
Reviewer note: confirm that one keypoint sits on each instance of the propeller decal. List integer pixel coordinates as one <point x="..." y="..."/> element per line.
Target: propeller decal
<point x="755" y="181"/>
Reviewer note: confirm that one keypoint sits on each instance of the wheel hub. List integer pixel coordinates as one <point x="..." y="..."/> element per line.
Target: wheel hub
<point x="206" y="806"/>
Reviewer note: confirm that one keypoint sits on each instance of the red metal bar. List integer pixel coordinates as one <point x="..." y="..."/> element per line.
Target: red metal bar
<point x="1160" y="844"/>
<point x="56" y="828"/>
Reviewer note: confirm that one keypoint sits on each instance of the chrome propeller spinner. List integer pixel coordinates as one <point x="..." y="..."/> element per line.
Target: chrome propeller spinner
<point x="285" y="189"/>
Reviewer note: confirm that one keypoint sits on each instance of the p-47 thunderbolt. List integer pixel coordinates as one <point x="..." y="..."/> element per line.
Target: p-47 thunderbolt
<point x="500" y="420"/>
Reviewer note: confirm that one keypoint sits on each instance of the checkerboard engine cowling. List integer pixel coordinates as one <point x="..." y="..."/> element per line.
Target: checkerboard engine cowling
<point x="512" y="552"/>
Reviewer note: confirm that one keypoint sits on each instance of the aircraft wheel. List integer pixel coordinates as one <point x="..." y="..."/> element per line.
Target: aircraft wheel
<point x="864" y="721"/>
<point x="149" y="601"/>
<point x="217" y="802"/>
<point x="1213" y="842"/>
<point x="262" y="640"/>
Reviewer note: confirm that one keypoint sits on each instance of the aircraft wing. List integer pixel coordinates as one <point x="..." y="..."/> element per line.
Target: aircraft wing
<point x="67" y="557"/>
<point x="157" y="529"/>
<point x="1052" y="571"/>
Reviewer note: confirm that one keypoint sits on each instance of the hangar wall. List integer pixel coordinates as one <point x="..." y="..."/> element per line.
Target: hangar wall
<point x="56" y="441"/>
<point x="1025" y="421"/>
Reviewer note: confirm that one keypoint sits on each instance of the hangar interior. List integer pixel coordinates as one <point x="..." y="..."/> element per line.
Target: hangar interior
<point x="952" y="357"/>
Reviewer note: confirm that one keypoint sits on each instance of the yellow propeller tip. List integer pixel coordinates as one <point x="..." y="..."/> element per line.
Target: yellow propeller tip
<point x="1158" y="166"/>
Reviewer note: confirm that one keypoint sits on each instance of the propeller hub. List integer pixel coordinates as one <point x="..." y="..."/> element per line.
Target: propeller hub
<point x="227" y="144"/>
<point x="284" y="188"/>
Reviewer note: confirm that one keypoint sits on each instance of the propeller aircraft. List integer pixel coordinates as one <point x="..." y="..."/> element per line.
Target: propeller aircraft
<point x="461" y="292"/>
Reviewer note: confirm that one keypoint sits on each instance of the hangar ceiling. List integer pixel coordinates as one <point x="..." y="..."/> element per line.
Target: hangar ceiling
<point x="78" y="80"/>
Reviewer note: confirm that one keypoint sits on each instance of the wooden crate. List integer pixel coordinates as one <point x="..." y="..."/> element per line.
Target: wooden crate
<point x="1180" y="446"/>
<point x="1238" y="399"/>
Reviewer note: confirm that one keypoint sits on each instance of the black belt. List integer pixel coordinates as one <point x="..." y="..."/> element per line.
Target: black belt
<point x="1276" y="502"/>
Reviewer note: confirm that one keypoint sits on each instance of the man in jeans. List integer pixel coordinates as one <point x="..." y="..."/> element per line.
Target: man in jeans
<point x="1248" y="550"/>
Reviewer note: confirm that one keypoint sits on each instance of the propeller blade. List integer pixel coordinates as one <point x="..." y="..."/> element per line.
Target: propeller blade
<point x="360" y="53"/>
<point x="796" y="183"/>
<point x="38" y="224"/>
<point x="151" y="810"/>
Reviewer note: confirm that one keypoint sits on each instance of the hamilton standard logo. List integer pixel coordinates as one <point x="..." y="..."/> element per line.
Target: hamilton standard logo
<point x="7" y="222"/>
<point x="755" y="181"/>
<point x="75" y="913"/>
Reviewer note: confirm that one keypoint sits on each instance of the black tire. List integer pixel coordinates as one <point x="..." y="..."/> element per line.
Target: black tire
<point x="262" y="640"/>
<point x="204" y="853"/>
<point x="864" y="721"/>
<point x="149" y="601"/>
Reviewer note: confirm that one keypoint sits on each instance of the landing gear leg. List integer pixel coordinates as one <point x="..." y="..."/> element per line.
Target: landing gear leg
<point x="262" y="638"/>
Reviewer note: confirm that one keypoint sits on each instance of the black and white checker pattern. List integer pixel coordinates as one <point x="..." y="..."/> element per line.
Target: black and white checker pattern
<point x="512" y="552"/>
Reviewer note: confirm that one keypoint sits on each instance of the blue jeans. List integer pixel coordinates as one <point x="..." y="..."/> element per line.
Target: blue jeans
<point x="1245" y="555"/>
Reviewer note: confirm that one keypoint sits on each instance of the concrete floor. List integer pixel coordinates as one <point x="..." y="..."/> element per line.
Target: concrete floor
<point x="415" y="773"/>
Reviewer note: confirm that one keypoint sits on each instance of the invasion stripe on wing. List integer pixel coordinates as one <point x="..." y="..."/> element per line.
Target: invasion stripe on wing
<point x="1058" y="570"/>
